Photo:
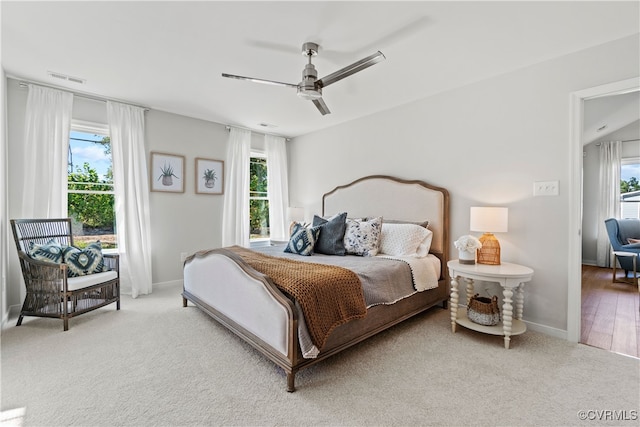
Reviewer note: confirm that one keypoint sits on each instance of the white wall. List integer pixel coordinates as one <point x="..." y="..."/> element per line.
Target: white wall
<point x="183" y="222"/>
<point x="487" y="143"/>
<point x="5" y="239"/>
<point x="16" y="99"/>
<point x="591" y="171"/>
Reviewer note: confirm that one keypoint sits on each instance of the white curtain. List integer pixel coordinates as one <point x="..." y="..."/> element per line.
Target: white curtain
<point x="235" y="217"/>
<point x="131" y="187"/>
<point x="46" y="147"/>
<point x="609" y="206"/>
<point x="277" y="186"/>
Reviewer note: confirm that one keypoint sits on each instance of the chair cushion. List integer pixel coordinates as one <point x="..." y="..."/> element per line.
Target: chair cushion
<point x="75" y="283"/>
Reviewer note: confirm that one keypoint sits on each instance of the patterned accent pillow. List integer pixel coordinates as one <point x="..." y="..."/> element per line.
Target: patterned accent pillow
<point x="405" y="240"/>
<point x="49" y="252"/>
<point x="302" y="239"/>
<point x="362" y="237"/>
<point x="85" y="261"/>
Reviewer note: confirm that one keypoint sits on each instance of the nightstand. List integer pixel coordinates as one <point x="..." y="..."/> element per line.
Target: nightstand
<point x="511" y="277"/>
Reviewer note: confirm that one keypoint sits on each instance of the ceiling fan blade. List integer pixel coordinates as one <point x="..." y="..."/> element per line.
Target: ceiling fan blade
<point x="351" y="69"/>
<point x="252" y="79"/>
<point x="322" y="107"/>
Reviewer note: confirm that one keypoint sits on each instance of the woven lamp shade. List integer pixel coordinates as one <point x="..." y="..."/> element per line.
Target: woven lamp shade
<point x="489" y="220"/>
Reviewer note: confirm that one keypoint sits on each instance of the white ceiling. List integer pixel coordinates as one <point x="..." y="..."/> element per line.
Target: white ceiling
<point x="170" y="55"/>
<point x="605" y="115"/>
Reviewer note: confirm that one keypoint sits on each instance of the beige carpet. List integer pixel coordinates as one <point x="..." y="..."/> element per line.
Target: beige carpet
<point x="157" y="363"/>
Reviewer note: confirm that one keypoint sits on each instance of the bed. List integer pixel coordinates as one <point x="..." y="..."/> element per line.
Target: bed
<point x="222" y="282"/>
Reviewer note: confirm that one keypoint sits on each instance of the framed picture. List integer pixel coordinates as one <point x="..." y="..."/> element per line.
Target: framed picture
<point x="209" y="176"/>
<point x="167" y="172"/>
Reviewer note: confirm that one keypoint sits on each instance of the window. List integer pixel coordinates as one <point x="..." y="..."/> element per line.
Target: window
<point x="258" y="199"/>
<point x="630" y="188"/>
<point x="90" y="186"/>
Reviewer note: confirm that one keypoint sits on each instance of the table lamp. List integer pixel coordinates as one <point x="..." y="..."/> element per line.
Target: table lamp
<point x="295" y="215"/>
<point x="489" y="220"/>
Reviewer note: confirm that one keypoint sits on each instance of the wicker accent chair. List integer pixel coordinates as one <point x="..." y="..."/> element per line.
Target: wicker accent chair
<point x="50" y="292"/>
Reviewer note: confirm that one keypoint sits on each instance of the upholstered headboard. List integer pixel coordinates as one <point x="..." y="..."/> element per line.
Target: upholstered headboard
<point x="395" y="199"/>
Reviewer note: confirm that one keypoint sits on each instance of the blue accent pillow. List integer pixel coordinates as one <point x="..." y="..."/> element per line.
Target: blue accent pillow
<point x="49" y="252"/>
<point x="84" y="261"/>
<point x="302" y="240"/>
<point x="331" y="240"/>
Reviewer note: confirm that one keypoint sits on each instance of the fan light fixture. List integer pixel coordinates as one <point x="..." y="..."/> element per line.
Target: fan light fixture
<point x="489" y="220"/>
<point x="310" y="88"/>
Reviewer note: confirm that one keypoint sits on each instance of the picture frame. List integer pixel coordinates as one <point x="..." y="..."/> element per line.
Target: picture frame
<point x="166" y="172"/>
<point x="209" y="176"/>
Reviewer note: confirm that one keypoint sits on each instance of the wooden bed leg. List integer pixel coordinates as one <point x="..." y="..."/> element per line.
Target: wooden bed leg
<point x="184" y="302"/>
<point x="445" y="304"/>
<point x="291" y="379"/>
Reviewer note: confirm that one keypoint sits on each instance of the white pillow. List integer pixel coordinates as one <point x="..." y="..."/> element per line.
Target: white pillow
<point x="405" y="240"/>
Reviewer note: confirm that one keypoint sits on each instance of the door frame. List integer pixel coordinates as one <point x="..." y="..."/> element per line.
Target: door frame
<point x="577" y="99"/>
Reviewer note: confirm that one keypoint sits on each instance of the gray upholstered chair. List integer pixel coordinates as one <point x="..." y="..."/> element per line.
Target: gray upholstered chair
<point x="622" y="233"/>
<point x="41" y="245"/>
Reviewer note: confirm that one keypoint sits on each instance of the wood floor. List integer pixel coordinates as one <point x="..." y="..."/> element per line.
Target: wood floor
<point x="610" y="316"/>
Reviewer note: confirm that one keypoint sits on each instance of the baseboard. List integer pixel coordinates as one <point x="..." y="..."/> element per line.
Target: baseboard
<point x="547" y="330"/>
<point x="591" y="262"/>
<point x="170" y="283"/>
<point x="12" y="313"/>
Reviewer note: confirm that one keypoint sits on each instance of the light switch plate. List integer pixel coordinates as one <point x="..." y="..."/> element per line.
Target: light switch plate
<point x="546" y="188"/>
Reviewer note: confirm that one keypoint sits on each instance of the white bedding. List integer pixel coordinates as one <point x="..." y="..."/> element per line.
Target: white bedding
<point x="426" y="271"/>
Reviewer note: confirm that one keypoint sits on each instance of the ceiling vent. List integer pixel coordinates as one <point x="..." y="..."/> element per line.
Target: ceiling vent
<point x="61" y="76"/>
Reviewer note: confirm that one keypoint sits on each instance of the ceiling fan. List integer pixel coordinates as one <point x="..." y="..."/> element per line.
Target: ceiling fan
<point x="311" y="87"/>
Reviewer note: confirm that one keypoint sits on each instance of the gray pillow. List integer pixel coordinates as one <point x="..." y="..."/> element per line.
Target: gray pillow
<point x="330" y="241"/>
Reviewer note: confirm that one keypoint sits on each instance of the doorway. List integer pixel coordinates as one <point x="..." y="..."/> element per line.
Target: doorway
<point x="577" y="100"/>
<point x="609" y="310"/>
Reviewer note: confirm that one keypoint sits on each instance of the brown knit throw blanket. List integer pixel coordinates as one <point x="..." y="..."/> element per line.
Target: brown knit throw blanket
<point x="328" y="295"/>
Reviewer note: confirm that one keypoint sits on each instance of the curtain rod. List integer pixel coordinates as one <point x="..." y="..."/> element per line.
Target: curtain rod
<point x="228" y="127"/>
<point x="25" y="83"/>
<point x="624" y="140"/>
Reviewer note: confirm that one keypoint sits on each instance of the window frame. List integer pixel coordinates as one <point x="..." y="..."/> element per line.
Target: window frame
<point x="262" y="241"/>
<point x="95" y="129"/>
<point x="629" y="161"/>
